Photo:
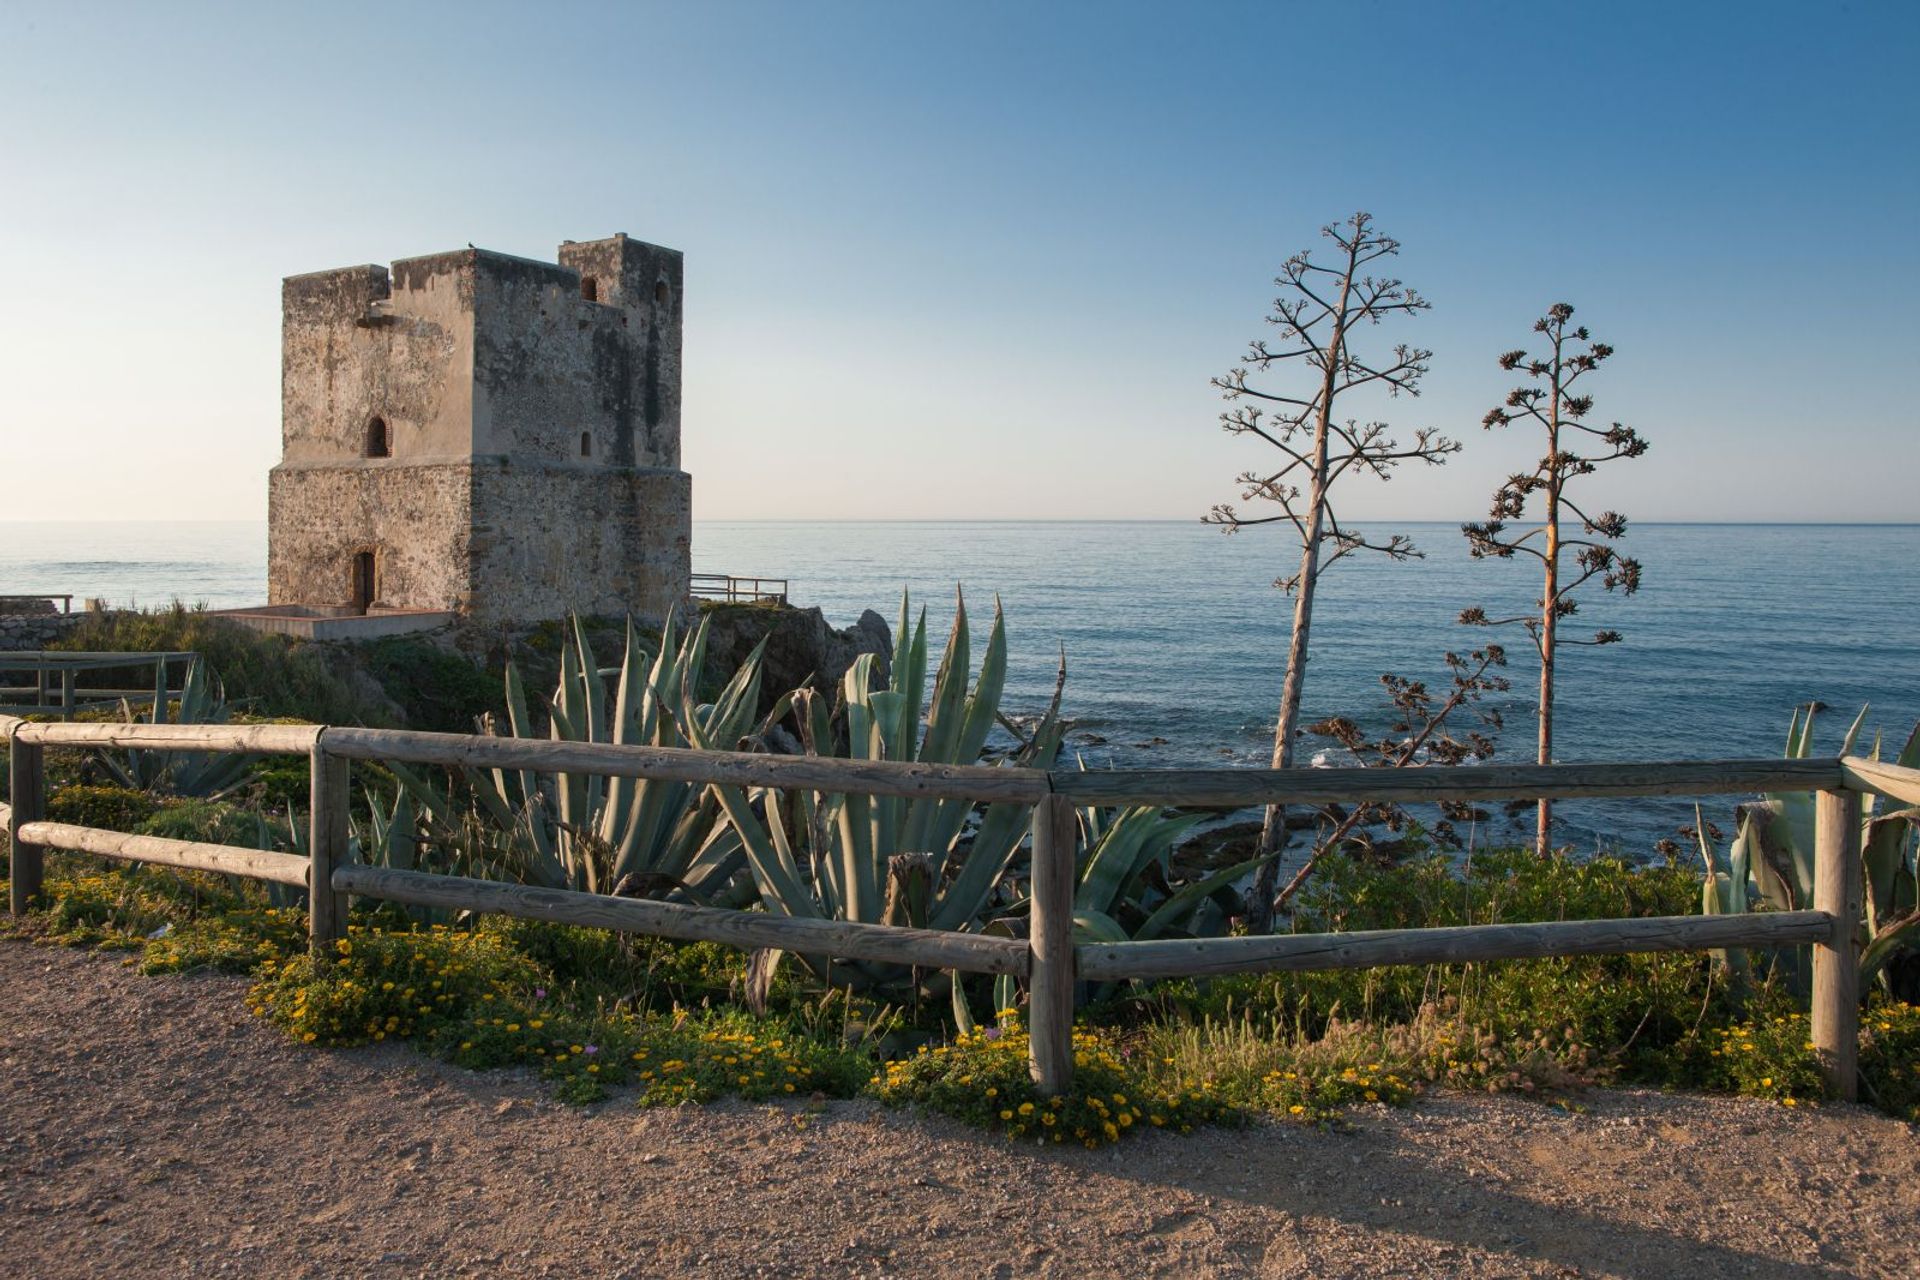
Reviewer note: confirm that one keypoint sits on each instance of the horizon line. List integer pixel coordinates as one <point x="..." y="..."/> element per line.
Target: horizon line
<point x="1063" y="520"/>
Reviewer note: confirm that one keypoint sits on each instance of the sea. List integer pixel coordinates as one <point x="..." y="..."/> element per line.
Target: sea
<point x="1175" y="636"/>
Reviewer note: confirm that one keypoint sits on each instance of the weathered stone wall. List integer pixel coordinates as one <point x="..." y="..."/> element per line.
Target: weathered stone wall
<point x="549" y="540"/>
<point x="358" y="345"/>
<point x="34" y="631"/>
<point x="417" y="521"/>
<point x="553" y="368"/>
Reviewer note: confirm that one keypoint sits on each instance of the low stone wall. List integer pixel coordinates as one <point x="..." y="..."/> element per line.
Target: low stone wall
<point x="34" y="631"/>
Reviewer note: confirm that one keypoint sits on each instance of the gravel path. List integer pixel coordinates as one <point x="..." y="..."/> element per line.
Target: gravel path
<point x="151" y="1127"/>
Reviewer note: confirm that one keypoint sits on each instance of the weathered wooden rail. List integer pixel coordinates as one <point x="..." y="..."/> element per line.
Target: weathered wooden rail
<point x="55" y="687"/>
<point x="1048" y="958"/>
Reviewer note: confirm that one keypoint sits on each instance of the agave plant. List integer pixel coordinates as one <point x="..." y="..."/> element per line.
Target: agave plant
<point x="181" y="773"/>
<point x="924" y="862"/>
<point x="1124" y="891"/>
<point x="633" y="836"/>
<point x="1771" y="861"/>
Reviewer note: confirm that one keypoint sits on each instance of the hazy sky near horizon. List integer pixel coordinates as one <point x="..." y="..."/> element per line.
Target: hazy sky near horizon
<point x="981" y="260"/>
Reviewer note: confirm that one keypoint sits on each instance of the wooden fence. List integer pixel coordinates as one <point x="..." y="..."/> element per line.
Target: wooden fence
<point x="54" y="687"/>
<point x="1048" y="959"/>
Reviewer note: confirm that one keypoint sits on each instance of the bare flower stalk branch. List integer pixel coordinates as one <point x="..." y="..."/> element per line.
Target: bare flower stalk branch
<point x="1418" y="734"/>
<point x="1319" y="307"/>
<point x="1548" y="401"/>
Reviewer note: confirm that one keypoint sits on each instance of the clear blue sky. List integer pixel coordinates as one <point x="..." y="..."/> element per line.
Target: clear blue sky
<point x="980" y="260"/>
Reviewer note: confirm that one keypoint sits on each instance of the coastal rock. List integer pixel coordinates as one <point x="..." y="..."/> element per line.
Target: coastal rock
<point x="802" y="648"/>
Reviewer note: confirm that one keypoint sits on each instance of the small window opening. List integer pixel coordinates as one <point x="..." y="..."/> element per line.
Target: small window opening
<point x="662" y="293"/>
<point x="379" y="439"/>
<point x="586" y="444"/>
<point x="589" y="288"/>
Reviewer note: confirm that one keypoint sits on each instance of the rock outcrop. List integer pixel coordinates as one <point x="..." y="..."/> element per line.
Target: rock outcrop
<point x="802" y="648"/>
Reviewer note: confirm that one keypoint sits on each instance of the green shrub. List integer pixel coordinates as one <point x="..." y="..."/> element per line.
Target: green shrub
<point x="110" y="808"/>
<point x="672" y="1060"/>
<point x="240" y="940"/>
<point x="273" y="675"/>
<point x="1890" y="1058"/>
<point x="207" y="821"/>
<point x="437" y="689"/>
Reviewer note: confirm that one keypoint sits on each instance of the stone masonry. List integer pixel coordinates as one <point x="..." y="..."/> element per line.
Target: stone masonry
<point x="484" y="434"/>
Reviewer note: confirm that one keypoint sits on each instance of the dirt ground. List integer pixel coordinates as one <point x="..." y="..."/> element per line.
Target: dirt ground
<point x="150" y="1127"/>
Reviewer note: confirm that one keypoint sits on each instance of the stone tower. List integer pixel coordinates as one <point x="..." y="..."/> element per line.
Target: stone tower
<point x="482" y="434"/>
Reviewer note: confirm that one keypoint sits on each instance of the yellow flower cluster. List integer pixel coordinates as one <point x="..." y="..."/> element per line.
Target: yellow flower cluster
<point x="983" y="1077"/>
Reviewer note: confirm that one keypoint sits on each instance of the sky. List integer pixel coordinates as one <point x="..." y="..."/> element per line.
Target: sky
<point x="981" y="260"/>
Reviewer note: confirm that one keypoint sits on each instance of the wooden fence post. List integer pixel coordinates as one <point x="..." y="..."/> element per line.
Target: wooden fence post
<point x="1838" y="891"/>
<point x="27" y="793"/>
<point x="1051" y="978"/>
<point x="326" y="849"/>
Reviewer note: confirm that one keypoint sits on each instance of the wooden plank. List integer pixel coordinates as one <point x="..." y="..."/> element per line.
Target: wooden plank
<point x="1240" y="788"/>
<point x="262" y="739"/>
<point x="1900" y="783"/>
<point x="927" y="948"/>
<point x="1459" y="945"/>
<point x="27" y="791"/>
<point x="1051" y="978"/>
<point x="1838" y="891"/>
<point x="257" y="864"/>
<point x="727" y="768"/>
<point x="329" y="828"/>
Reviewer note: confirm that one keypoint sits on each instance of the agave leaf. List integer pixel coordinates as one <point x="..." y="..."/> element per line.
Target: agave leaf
<point x="1853" y="732"/>
<point x="962" y="1016"/>
<point x="1002" y="829"/>
<point x="781" y="889"/>
<point x="1177" y="909"/>
<point x="945" y="719"/>
<point x="983" y="704"/>
<point x="1095" y="926"/>
<point x="1117" y="860"/>
<point x="1889" y="941"/>
<point x="1884" y="855"/>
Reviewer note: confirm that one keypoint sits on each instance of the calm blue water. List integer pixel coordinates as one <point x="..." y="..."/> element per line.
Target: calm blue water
<point x="1172" y="630"/>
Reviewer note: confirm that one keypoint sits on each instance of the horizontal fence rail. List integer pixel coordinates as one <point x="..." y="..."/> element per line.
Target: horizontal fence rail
<point x="1049" y="958"/>
<point x="1223" y="788"/>
<point x="1462" y="944"/>
<point x="671" y="764"/>
<point x="927" y="948"/>
<point x="259" y="864"/>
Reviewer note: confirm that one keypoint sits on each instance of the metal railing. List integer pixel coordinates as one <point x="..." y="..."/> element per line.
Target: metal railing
<point x="55" y="687"/>
<point x="1048" y="958"/>
<point x="14" y="597"/>
<point x="737" y="590"/>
